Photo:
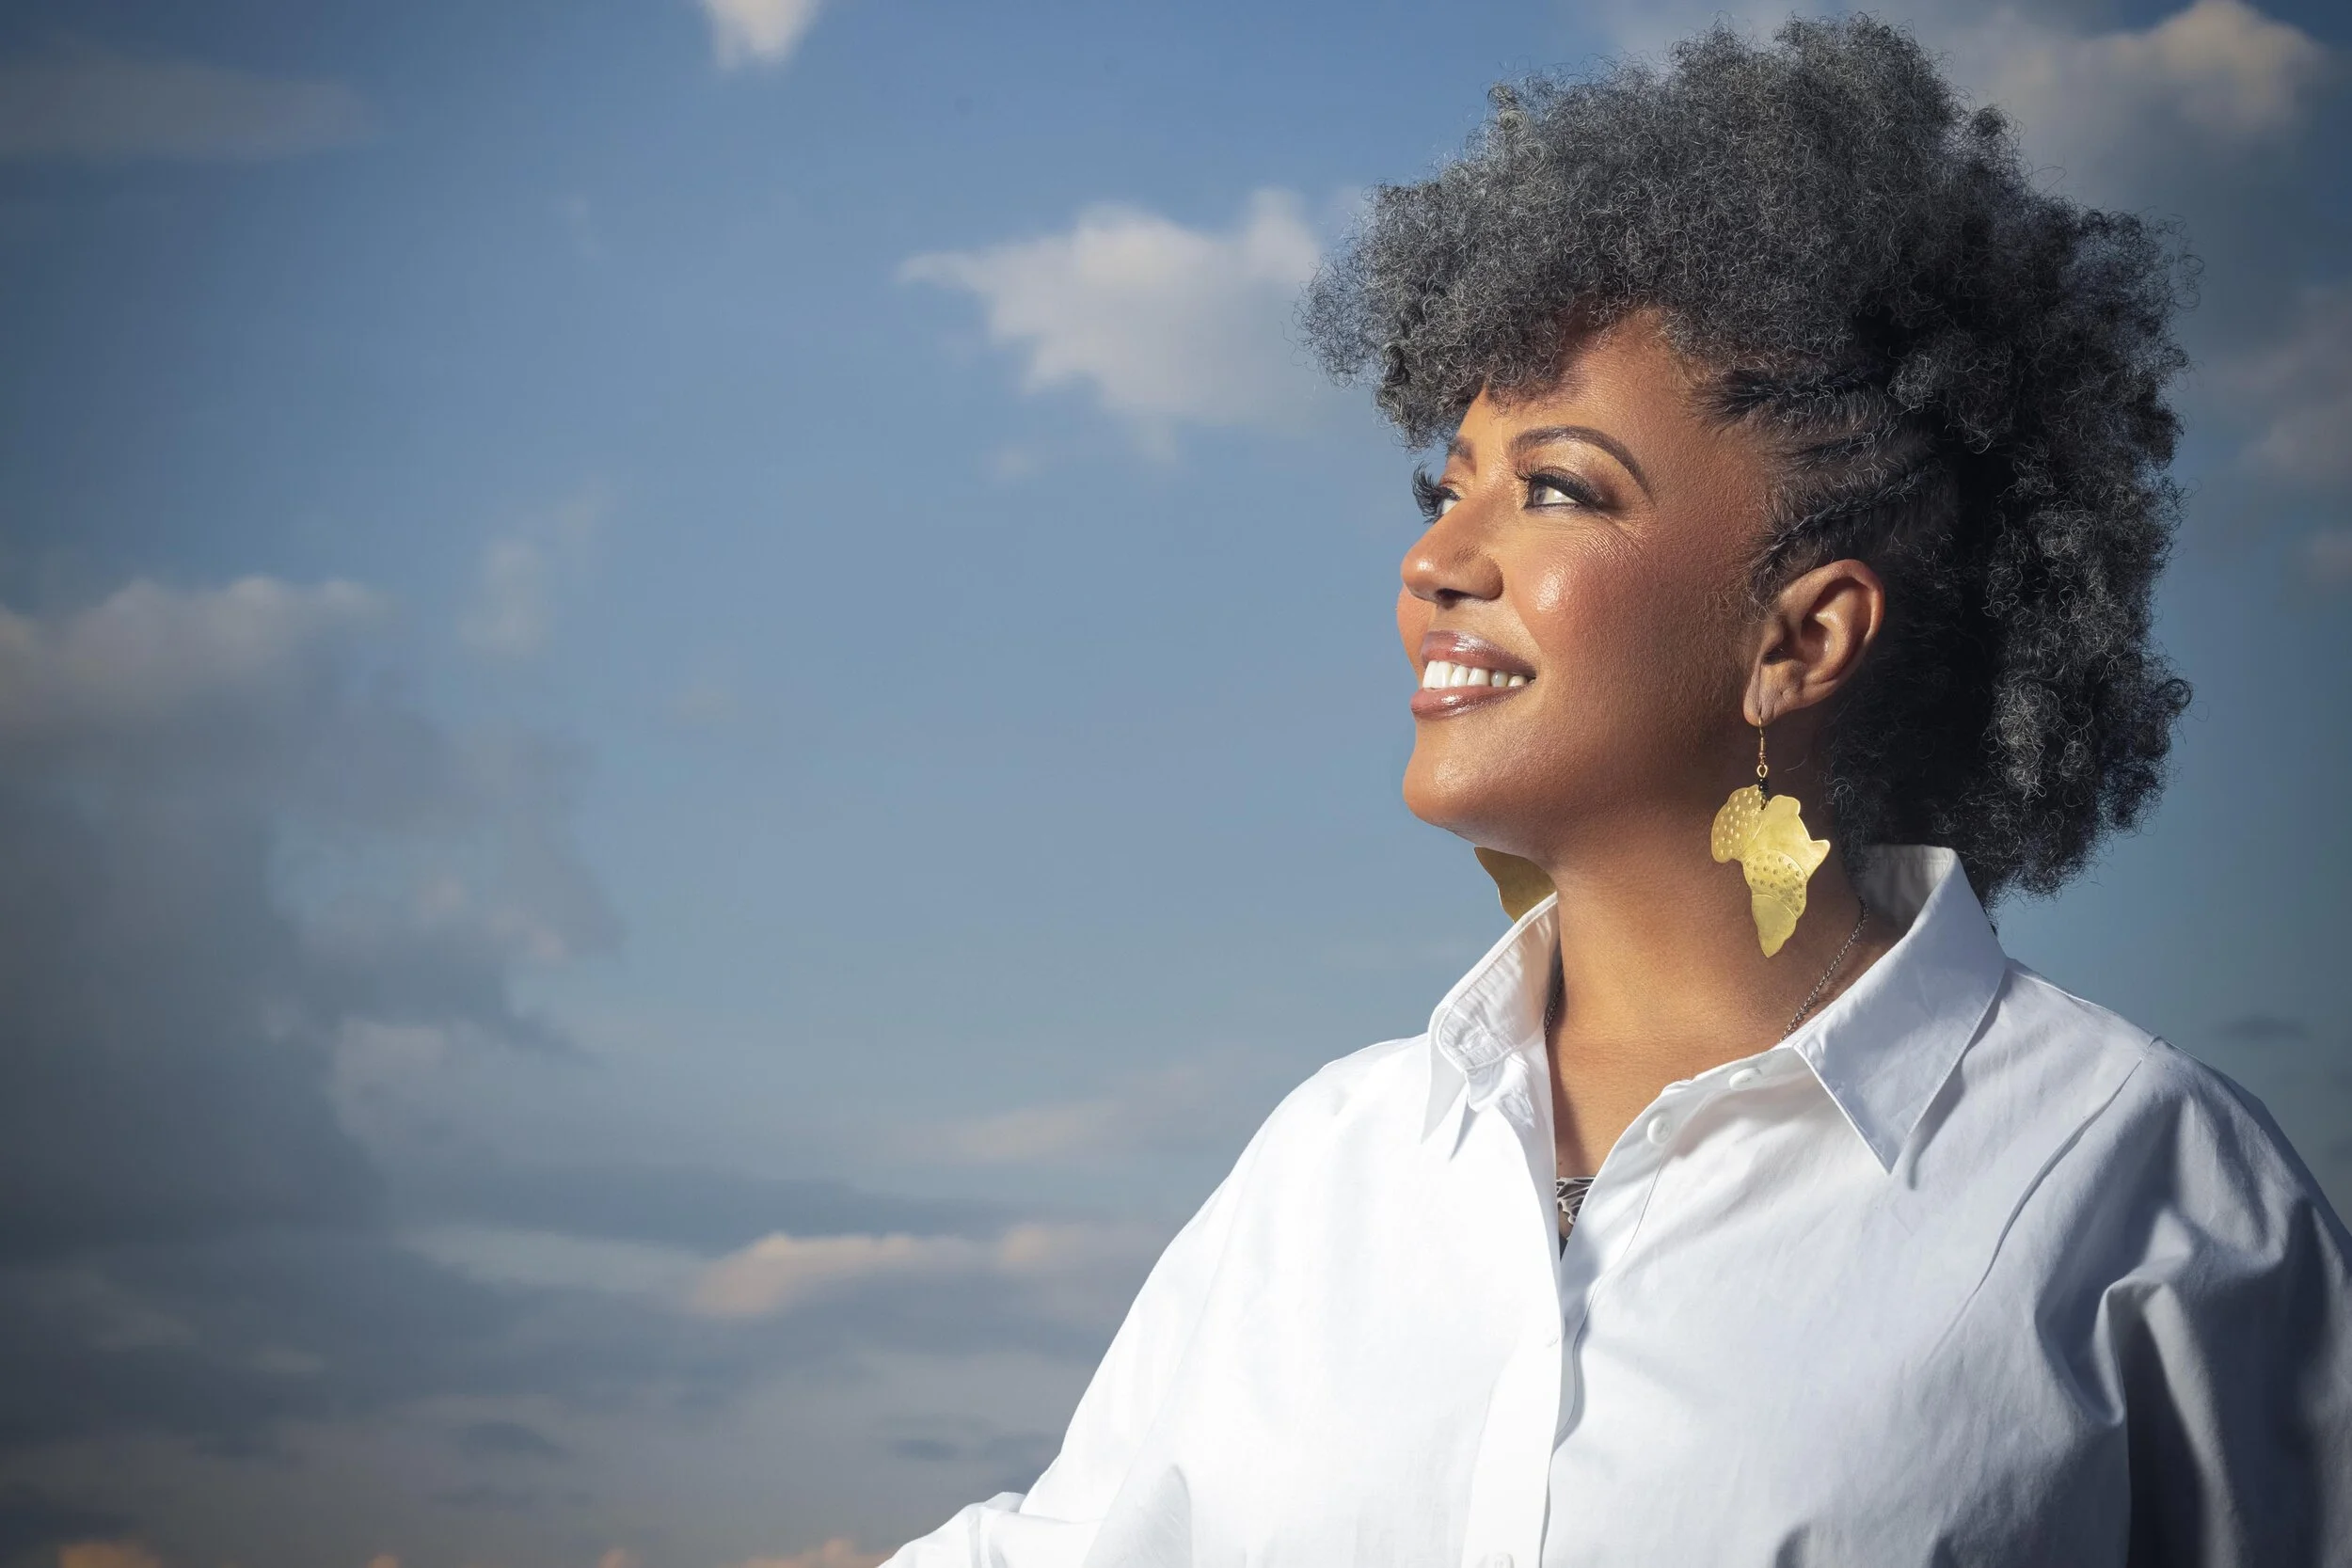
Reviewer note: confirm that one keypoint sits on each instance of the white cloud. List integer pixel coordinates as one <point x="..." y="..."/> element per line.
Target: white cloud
<point x="102" y="106"/>
<point x="757" y="32"/>
<point x="778" y="1271"/>
<point x="1038" y="1134"/>
<point x="2223" y="65"/>
<point x="1166" y="324"/>
<point x="2212" y="80"/>
<point x="552" y="1260"/>
<point x="150" y="658"/>
<point x="1072" y="1270"/>
<point x="1188" y="1106"/>
<point x="512" y="611"/>
<point x="254" y="873"/>
<point x="2300" y="388"/>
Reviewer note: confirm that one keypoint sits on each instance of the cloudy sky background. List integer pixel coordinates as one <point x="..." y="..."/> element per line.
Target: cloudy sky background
<point x="696" y="708"/>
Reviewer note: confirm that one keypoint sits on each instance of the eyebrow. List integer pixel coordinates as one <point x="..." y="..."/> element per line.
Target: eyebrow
<point x="1545" y="435"/>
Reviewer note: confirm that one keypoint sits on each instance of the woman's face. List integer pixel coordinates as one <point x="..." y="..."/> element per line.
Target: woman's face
<point x="1588" y="566"/>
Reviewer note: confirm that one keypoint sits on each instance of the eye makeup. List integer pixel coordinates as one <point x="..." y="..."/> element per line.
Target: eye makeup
<point x="1572" y="488"/>
<point x="1431" y="499"/>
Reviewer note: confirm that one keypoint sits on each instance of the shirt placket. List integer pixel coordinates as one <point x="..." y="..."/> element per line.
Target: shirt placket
<point x="1623" y="1191"/>
<point x="1510" y="1477"/>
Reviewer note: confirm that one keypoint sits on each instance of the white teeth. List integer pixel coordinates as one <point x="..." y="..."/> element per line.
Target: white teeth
<point x="1438" y="674"/>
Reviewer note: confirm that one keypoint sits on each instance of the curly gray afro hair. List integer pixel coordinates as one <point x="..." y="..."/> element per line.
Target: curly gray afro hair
<point x="1962" y="376"/>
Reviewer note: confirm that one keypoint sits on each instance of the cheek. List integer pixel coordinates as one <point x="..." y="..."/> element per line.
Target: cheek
<point x="1643" y="649"/>
<point x="1590" y="616"/>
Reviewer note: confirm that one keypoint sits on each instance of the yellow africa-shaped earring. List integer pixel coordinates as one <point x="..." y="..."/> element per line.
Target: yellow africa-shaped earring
<point x="1768" y="837"/>
<point x="1521" y="883"/>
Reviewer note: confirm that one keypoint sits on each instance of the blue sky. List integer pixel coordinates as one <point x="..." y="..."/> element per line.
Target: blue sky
<point x="696" y="706"/>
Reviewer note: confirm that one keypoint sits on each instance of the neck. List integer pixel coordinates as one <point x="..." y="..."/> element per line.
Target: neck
<point x="1662" y="977"/>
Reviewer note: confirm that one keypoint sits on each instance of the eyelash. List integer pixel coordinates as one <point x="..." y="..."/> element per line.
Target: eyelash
<point x="1430" y="496"/>
<point x="1570" y="485"/>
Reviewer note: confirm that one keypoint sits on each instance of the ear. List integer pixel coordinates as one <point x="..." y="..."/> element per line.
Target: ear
<point x="1812" y="639"/>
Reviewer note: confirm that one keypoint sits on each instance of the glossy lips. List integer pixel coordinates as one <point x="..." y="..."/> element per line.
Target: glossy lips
<point x="1460" y="672"/>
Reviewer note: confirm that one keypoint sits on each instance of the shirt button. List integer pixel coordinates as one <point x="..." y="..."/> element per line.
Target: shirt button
<point x="1661" y="1129"/>
<point x="1498" y="1559"/>
<point x="1742" y="1078"/>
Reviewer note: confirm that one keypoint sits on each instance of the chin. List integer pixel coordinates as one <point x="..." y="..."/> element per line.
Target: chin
<point x="1471" y="804"/>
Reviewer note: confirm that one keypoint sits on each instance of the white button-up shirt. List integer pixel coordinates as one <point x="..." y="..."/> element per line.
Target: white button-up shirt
<point x="1966" y="1271"/>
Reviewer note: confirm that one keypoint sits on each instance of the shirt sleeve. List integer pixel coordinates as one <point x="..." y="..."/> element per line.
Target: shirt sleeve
<point x="2232" y="1343"/>
<point x="1054" y="1524"/>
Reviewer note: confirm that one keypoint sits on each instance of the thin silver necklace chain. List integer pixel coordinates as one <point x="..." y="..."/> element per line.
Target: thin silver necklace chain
<point x="1568" y="1191"/>
<point x="1860" y="920"/>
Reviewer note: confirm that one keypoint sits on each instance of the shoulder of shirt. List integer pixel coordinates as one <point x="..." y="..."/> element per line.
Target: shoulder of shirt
<point x="2172" y="1101"/>
<point x="1394" y="1073"/>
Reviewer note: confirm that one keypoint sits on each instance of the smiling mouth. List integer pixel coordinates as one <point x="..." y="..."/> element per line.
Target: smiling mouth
<point x="1452" y="685"/>
<point x="1461" y="671"/>
<point x="1440" y="674"/>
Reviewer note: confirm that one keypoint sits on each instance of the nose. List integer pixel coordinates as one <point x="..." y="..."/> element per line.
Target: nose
<point x="1449" y="562"/>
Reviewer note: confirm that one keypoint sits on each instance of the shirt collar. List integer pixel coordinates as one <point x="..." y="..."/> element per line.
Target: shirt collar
<point x="1881" y="1050"/>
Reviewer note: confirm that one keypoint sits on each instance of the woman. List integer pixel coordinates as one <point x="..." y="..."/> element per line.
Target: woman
<point x="1784" y="600"/>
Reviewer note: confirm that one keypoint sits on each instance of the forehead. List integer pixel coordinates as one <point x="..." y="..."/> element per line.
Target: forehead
<point x="1625" y="379"/>
<point x="1625" y="391"/>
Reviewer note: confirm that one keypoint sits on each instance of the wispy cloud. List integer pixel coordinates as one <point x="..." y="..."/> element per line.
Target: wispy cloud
<point x="512" y="609"/>
<point x="100" y="106"/>
<point x="228" y="851"/>
<point x="757" y="31"/>
<point x="778" y="1273"/>
<point x="1163" y="323"/>
<point x="1182" y="1108"/>
<point x="2299" y="389"/>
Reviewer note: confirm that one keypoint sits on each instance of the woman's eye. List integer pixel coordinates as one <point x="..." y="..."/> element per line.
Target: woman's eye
<point x="1558" y="490"/>
<point x="1433" y="499"/>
